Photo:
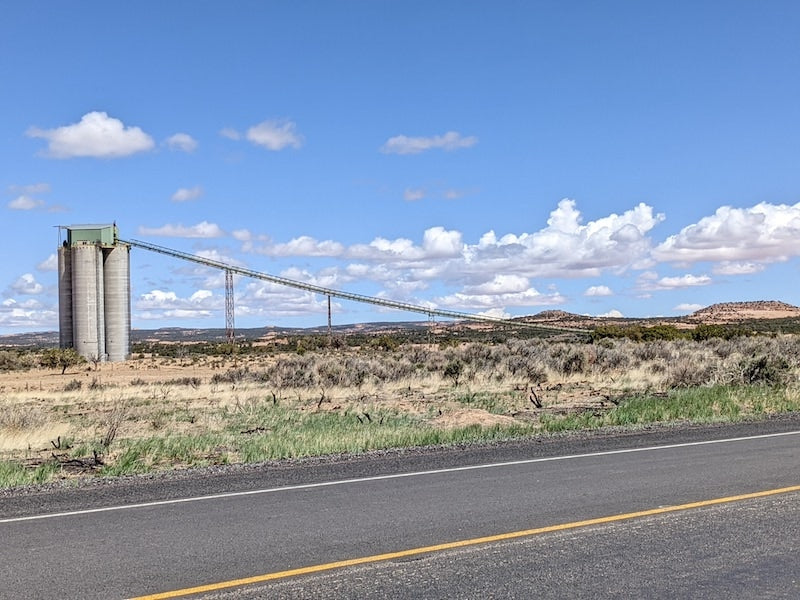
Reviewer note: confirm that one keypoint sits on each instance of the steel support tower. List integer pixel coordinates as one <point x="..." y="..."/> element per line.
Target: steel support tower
<point x="230" y="331"/>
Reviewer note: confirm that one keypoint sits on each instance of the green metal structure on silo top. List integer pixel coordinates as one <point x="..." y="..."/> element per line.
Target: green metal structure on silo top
<point x="94" y="292"/>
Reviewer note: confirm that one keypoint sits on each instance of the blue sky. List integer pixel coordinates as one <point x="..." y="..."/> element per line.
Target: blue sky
<point x="615" y="157"/>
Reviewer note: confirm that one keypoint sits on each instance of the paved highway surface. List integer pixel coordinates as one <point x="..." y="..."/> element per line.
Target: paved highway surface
<point x="134" y="538"/>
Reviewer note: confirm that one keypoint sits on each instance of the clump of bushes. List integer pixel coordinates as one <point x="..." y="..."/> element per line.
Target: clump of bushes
<point x="643" y="333"/>
<point x="765" y="370"/>
<point x="73" y="386"/>
<point x="17" y="360"/>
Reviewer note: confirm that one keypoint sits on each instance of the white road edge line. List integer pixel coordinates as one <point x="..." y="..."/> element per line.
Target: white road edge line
<point x="308" y="486"/>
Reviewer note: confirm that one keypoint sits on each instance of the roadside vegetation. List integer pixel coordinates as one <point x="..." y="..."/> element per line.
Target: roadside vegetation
<point x="183" y="405"/>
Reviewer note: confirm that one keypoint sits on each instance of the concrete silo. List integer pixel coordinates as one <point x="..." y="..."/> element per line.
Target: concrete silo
<point x="94" y="293"/>
<point x="117" y="292"/>
<point x="87" y="317"/>
<point x="64" y="296"/>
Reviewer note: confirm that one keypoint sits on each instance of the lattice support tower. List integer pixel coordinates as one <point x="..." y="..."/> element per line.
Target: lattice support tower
<point x="330" y="327"/>
<point x="230" y="331"/>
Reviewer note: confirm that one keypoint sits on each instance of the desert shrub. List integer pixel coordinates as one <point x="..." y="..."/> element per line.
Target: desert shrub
<point x="330" y="372"/>
<point x="356" y="371"/>
<point x="722" y="348"/>
<point x="231" y="376"/>
<point x="397" y="370"/>
<point x="73" y="386"/>
<point x="436" y="362"/>
<point x="610" y="359"/>
<point x="685" y="373"/>
<point x="788" y="347"/>
<point x="574" y="362"/>
<point x="653" y="351"/>
<point x="725" y="332"/>
<point x="386" y="342"/>
<point x="638" y="333"/>
<point x="309" y="343"/>
<point x="190" y="381"/>
<point x="765" y="370"/>
<point x="657" y="368"/>
<point x="292" y="372"/>
<point x="453" y="371"/>
<point x="528" y="358"/>
<point x="527" y="367"/>
<point x="417" y="355"/>
<point x="16" y="360"/>
<point x="449" y="342"/>
<point x="568" y="359"/>
<point x="481" y="356"/>
<point x="21" y="418"/>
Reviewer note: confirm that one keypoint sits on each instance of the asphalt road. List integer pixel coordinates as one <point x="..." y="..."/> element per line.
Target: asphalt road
<point x="286" y="517"/>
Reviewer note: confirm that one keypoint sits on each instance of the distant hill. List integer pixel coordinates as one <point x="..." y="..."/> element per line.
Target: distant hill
<point x="725" y="313"/>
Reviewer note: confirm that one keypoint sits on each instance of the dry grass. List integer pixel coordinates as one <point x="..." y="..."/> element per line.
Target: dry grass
<point x="162" y="413"/>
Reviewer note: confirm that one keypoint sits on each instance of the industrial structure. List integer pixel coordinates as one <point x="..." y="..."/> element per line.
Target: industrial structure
<point x="94" y="306"/>
<point x="94" y="303"/>
<point x="431" y="312"/>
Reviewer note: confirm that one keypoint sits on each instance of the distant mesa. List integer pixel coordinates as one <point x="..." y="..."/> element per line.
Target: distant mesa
<point x="745" y="311"/>
<point x="555" y="315"/>
<point x="549" y="315"/>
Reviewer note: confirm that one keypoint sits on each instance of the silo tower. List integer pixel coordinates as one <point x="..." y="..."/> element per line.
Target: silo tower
<point x="94" y="306"/>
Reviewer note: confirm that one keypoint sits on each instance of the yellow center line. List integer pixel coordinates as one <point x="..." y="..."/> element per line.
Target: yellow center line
<point x="211" y="587"/>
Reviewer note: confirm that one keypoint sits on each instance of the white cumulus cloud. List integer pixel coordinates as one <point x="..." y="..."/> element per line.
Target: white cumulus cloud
<point x="48" y="264"/>
<point x="437" y="243"/>
<point x="307" y="246"/>
<point x="687" y="308"/>
<point x="243" y="235"/>
<point x="27" y="284"/>
<point x="182" y="141"/>
<point x="568" y="248"/>
<point x="650" y="281"/>
<point x="495" y="313"/>
<point x="494" y="271"/>
<point x="452" y="140"/>
<point x="500" y="284"/>
<point x="762" y="233"/>
<point x="25" y="203"/>
<point x="269" y="301"/>
<point x="230" y="133"/>
<point x="612" y="314"/>
<point x="160" y="304"/>
<point x="186" y="194"/>
<point x="275" y="135"/>
<point x="529" y="297"/>
<point x="96" y="135"/>
<point x="27" y="315"/>
<point x="303" y="245"/>
<point x="598" y="290"/>
<point x="737" y="268"/>
<point x="203" y="229"/>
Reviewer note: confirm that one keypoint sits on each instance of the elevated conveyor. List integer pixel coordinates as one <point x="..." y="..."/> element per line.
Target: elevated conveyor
<point x="309" y="287"/>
